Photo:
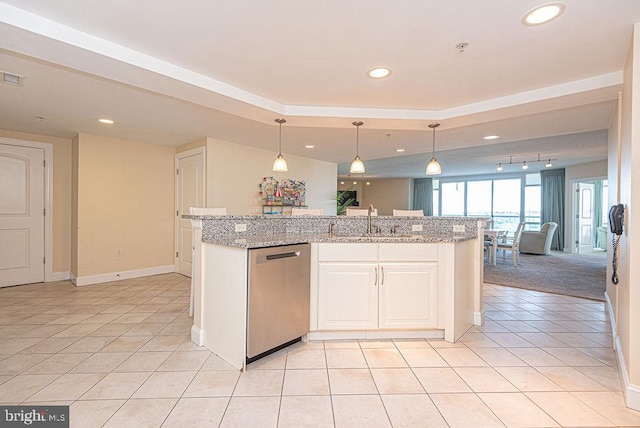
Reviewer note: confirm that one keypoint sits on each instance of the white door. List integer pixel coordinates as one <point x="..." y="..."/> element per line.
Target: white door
<point x="190" y="192"/>
<point x="348" y="296"/>
<point x="408" y="296"/>
<point x="585" y="217"/>
<point x="21" y="215"/>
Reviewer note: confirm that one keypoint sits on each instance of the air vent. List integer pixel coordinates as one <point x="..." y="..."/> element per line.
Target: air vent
<point x="11" y="79"/>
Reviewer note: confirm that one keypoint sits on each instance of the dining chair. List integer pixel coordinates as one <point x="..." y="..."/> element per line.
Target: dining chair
<point x="194" y="237"/>
<point x="307" y="211"/>
<point x="512" y="244"/>
<point x="361" y="211"/>
<point x="408" y="213"/>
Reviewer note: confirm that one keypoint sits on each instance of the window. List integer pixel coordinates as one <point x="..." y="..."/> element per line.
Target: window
<point x="453" y="198"/>
<point x="479" y="197"/>
<point x="532" y="202"/>
<point x="507" y="204"/>
<point x="436" y="197"/>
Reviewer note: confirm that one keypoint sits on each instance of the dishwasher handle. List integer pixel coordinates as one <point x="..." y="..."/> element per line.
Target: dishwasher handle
<point x="278" y="256"/>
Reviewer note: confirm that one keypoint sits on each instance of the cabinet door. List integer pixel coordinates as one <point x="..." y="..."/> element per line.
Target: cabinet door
<point x="408" y="295"/>
<point x="347" y="296"/>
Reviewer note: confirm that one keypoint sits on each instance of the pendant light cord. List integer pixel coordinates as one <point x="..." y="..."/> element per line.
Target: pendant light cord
<point x="280" y="122"/>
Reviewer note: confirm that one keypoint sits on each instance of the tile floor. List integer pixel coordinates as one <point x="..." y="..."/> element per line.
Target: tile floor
<point x="120" y="355"/>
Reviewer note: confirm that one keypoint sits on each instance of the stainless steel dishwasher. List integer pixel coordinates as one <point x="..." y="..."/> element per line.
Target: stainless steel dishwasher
<point x="278" y="304"/>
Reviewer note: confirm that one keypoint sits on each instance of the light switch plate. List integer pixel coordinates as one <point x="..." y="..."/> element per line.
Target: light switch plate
<point x="241" y="227"/>
<point x="458" y="228"/>
<point x="416" y="228"/>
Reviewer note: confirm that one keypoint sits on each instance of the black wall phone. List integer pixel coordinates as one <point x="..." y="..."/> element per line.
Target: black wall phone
<point x="616" y="223"/>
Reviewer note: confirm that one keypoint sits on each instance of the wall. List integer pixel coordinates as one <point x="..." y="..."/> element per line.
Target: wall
<point x="587" y="171"/>
<point x="387" y="195"/>
<point x="235" y="171"/>
<point x="624" y="164"/>
<point x="61" y="196"/>
<point x="125" y="201"/>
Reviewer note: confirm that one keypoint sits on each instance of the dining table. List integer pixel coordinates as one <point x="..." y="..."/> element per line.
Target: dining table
<point x="493" y="235"/>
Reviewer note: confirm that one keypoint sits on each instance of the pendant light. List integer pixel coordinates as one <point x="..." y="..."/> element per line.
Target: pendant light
<point x="280" y="165"/>
<point x="433" y="168"/>
<point x="357" y="166"/>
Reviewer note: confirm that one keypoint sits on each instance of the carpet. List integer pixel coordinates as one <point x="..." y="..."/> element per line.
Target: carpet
<point x="579" y="275"/>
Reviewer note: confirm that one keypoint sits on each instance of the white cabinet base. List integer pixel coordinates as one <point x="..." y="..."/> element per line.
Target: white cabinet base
<point x="376" y="334"/>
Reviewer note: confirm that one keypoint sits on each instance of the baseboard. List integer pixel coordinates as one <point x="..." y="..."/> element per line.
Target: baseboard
<point x="116" y="276"/>
<point x="197" y="336"/>
<point x="60" y="276"/>
<point x="631" y="392"/>
<point x="478" y="318"/>
<point x="376" y="334"/>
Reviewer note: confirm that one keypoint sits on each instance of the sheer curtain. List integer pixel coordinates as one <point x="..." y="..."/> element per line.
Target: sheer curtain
<point x="552" y="189"/>
<point x="423" y="195"/>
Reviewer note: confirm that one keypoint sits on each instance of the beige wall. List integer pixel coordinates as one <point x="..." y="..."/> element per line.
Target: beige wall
<point x="61" y="195"/>
<point x="586" y="171"/>
<point x="387" y="195"/>
<point x="348" y="185"/>
<point x="625" y="297"/>
<point x="125" y="201"/>
<point x="235" y="171"/>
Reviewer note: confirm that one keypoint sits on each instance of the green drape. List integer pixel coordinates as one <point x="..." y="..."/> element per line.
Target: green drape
<point x="423" y="195"/>
<point x="552" y="189"/>
<point x="597" y="211"/>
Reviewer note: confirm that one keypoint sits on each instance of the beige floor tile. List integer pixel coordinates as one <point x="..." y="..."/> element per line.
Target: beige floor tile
<point x="79" y="330"/>
<point x="440" y="380"/>
<point x="67" y="387"/>
<point x="116" y="386"/>
<point x="351" y="381"/>
<point x="341" y="344"/>
<point x="58" y="363"/>
<point x="413" y="411"/>
<point x="50" y="345"/>
<point x="606" y="355"/>
<point x="570" y="379"/>
<point x="574" y="339"/>
<point x="44" y="330"/>
<point x="145" y="329"/>
<point x="384" y="358"/>
<point x="396" y="381"/>
<point x="475" y="414"/>
<point x="118" y="309"/>
<point x="260" y="383"/>
<point x="89" y="344"/>
<point x="112" y="329"/>
<point x="411" y="343"/>
<point x="250" y="412"/>
<point x="509" y="340"/>
<point x="536" y="357"/>
<point x="516" y="410"/>
<point x="196" y="413"/>
<point x="23" y="386"/>
<point x="176" y="328"/>
<point x="377" y="344"/>
<point x="474" y="339"/>
<point x="143" y="362"/>
<point x="498" y="357"/>
<point x="131" y="317"/>
<point x="101" y="318"/>
<point x="573" y="357"/>
<point x="528" y="379"/>
<point x="461" y="357"/>
<point x="213" y="384"/>
<point x="607" y="376"/>
<point x="142" y="413"/>
<point x="305" y="412"/>
<point x="125" y="344"/>
<point x="611" y="406"/>
<point x="165" y="385"/>
<point x="3" y="379"/>
<point x="163" y="343"/>
<point x="16" y="364"/>
<point x="101" y="363"/>
<point x="163" y="318"/>
<point x="305" y="358"/>
<point x="342" y="358"/>
<point x="184" y="361"/>
<point x="94" y="413"/>
<point x="213" y="362"/>
<point x="71" y="319"/>
<point x="423" y="357"/>
<point x="359" y="411"/>
<point x="484" y="379"/>
<point x="567" y="410"/>
<point x="306" y="382"/>
<point x="15" y="345"/>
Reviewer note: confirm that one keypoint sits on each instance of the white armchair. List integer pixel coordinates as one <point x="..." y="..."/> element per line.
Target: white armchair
<point x="538" y="242"/>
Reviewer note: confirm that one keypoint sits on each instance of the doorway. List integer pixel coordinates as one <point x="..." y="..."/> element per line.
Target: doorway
<point x="589" y="214"/>
<point x="190" y="192"/>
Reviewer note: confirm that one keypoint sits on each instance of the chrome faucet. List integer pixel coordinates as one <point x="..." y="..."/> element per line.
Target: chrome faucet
<point x="331" y="228"/>
<point x="369" y="212"/>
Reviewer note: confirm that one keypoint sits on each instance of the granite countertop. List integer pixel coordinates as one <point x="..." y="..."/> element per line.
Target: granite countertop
<point x="272" y="240"/>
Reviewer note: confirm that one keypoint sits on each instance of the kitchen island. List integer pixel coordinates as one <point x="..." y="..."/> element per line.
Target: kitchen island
<point x="410" y="284"/>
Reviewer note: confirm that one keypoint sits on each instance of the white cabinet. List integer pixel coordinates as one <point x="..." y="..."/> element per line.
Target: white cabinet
<point x="348" y="296"/>
<point x="372" y="286"/>
<point x="408" y="295"/>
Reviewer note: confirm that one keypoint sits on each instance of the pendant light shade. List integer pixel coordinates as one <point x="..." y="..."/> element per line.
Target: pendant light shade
<point x="433" y="167"/>
<point x="357" y="166"/>
<point x="280" y="165"/>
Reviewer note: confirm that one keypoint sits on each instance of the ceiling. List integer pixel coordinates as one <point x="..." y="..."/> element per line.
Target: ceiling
<point x="173" y="72"/>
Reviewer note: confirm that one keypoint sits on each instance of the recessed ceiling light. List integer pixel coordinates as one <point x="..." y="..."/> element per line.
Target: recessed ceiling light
<point x="543" y="14"/>
<point x="490" y="137"/>
<point x="106" y="121"/>
<point x="399" y="150"/>
<point x="309" y="146"/>
<point x="380" y="72"/>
